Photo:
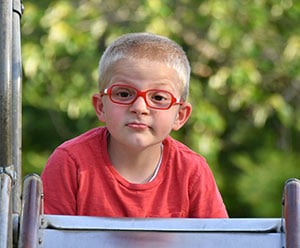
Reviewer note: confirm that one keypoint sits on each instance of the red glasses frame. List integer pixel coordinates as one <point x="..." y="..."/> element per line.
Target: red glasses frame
<point x="144" y="94"/>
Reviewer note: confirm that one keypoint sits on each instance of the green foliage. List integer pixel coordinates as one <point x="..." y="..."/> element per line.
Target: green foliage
<point x="245" y="84"/>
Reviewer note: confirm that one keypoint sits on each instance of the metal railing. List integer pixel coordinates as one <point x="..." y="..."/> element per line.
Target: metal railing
<point x="10" y="118"/>
<point x="291" y="203"/>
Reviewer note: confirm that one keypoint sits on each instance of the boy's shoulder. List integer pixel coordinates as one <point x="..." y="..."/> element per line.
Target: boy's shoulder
<point x="186" y="161"/>
<point x="178" y="149"/>
<point x="88" y="137"/>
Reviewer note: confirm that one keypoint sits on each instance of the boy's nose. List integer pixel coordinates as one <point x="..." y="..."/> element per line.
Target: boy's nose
<point x="139" y="106"/>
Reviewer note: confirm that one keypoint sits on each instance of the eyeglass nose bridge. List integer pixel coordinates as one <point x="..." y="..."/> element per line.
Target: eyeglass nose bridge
<point x="142" y="94"/>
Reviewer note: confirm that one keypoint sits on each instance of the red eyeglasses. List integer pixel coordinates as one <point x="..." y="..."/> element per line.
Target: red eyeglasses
<point x="154" y="98"/>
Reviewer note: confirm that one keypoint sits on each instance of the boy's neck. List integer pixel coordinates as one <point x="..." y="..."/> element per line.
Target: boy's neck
<point x="135" y="166"/>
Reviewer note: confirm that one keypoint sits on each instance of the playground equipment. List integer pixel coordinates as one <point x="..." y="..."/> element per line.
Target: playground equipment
<point x="24" y="225"/>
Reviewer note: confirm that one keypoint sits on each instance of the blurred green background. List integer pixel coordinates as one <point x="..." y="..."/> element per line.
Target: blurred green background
<point x="245" y="84"/>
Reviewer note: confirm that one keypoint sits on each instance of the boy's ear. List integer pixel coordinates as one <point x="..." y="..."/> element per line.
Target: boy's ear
<point x="182" y="115"/>
<point x="98" y="106"/>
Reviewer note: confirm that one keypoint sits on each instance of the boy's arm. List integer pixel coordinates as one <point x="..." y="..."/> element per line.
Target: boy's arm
<point x="60" y="184"/>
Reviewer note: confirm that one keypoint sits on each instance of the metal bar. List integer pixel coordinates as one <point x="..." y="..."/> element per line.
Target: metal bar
<point x="31" y="210"/>
<point x="86" y="223"/>
<point x="5" y="211"/>
<point x="5" y="83"/>
<point x="292" y="213"/>
<point x="17" y="105"/>
<point x="6" y="232"/>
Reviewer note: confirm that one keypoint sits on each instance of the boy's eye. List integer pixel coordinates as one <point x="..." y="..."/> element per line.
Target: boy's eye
<point x="160" y="96"/>
<point x="122" y="93"/>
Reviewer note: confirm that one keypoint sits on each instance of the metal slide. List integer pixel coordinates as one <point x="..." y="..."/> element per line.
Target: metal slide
<point x="45" y="231"/>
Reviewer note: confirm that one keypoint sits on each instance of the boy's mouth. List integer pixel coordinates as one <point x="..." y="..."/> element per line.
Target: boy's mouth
<point x="137" y="125"/>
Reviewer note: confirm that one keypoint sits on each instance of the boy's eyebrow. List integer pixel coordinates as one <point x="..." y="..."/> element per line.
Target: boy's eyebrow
<point x="171" y="89"/>
<point x="136" y="83"/>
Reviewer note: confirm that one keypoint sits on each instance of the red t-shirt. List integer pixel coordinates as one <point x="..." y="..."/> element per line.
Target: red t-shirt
<point x="79" y="179"/>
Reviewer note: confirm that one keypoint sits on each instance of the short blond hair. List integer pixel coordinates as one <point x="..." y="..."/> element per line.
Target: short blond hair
<point x="150" y="47"/>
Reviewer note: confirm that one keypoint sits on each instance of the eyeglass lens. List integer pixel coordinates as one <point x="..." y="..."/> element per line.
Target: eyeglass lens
<point x="153" y="98"/>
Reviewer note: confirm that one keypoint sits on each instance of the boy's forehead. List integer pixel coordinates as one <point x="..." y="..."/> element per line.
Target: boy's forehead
<point x="134" y="69"/>
<point x="142" y="66"/>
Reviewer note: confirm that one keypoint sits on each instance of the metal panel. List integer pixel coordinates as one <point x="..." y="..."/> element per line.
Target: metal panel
<point x="132" y="239"/>
<point x="79" y="231"/>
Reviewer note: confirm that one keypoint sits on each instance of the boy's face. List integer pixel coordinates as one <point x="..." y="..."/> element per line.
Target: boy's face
<point x="137" y="125"/>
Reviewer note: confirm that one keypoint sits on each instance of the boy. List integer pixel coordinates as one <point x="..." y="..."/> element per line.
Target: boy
<point x="132" y="167"/>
